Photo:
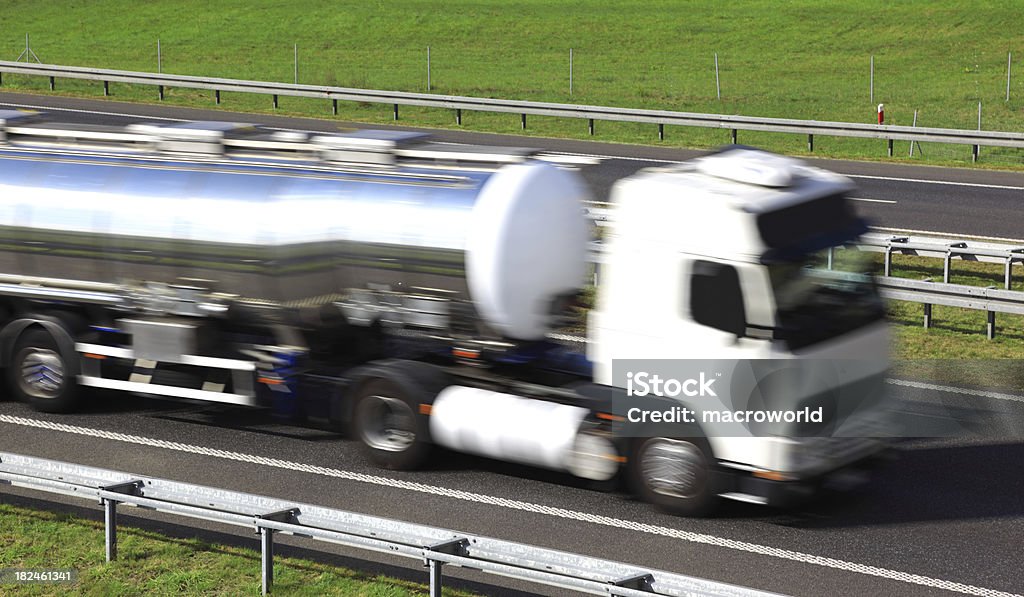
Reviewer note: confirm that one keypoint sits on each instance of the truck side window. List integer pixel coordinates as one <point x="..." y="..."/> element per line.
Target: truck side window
<point x="715" y="297"/>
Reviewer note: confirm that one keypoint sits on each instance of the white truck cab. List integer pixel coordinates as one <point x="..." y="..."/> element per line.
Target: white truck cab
<point x="723" y="257"/>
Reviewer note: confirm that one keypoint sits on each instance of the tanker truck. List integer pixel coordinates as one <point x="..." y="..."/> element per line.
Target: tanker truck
<point x="409" y="291"/>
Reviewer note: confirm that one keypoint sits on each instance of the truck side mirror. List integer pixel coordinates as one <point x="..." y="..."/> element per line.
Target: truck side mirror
<point x="716" y="299"/>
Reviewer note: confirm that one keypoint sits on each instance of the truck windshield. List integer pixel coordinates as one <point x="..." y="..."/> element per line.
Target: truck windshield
<point x="814" y="304"/>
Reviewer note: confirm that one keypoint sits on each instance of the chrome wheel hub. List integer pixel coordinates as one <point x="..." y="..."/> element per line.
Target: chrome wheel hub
<point x="388" y="424"/>
<point x="673" y="467"/>
<point x="42" y="373"/>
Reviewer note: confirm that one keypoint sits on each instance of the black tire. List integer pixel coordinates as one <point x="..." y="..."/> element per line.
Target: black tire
<point x="41" y="373"/>
<point x="387" y="420"/>
<point x="675" y="474"/>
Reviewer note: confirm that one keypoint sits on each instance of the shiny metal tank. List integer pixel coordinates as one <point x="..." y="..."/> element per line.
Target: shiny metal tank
<point x="299" y="232"/>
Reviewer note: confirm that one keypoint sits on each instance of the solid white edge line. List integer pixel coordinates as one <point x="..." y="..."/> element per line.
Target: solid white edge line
<point x="688" y="536"/>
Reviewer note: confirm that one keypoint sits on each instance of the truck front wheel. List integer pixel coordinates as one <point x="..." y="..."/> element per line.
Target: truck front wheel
<point x="675" y="474"/>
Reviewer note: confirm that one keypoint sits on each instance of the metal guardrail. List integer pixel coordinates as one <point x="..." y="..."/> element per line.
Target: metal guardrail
<point x="810" y="128"/>
<point x="434" y="546"/>
<point x="991" y="300"/>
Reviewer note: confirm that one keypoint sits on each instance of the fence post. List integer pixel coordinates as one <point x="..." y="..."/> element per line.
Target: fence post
<point x="110" y="528"/>
<point x="871" y="84"/>
<point x="570" y="73"/>
<point x="428" y="72"/>
<point x="974" y="156"/>
<point x="159" y="60"/>
<point x="718" y="86"/>
<point x="912" y="141"/>
<point x="296" y="64"/>
<point x="1009" y="64"/>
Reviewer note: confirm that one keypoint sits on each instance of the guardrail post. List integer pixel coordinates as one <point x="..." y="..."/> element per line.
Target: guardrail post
<point x="990" y="327"/>
<point x="453" y="547"/>
<point x="267" y="544"/>
<point x="946" y="262"/>
<point x="1008" y="273"/>
<point x="522" y="119"/>
<point x="734" y="136"/>
<point x="216" y="94"/>
<point x="396" y="111"/>
<point x="889" y="143"/>
<point x="590" y="126"/>
<point x="831" y="257"/>
<point x="435" y="577"/>
<point x="927" y="315"/>
<point x="458" y="116"/>
<point x="160" y="92"/>
<point x="974" y="153"/>
<point x="106" y="88"/>
<point x="110" y="514"/>
<point x="334" y="106"/>
<point x="110" y="528"/>
<point x="661" y="132"/>
<point x="275" y="101"/>
<point x="887" y="262"/>
<point x="810" y="143"/>
<point x="51" y="83"/>
<point x="267" y="559"/>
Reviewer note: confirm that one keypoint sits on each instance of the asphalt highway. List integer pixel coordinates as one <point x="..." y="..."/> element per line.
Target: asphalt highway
<point x="945" y="517"/>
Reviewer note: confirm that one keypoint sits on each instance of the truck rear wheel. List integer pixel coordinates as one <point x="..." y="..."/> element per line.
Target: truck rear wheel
<point x="387" y="422"/>
<point x="675" y="474"/>
<point x="40" y="373"/>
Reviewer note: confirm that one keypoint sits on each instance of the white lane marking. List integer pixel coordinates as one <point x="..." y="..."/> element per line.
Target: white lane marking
<point x="608" y="521"/>
<point x="888" y="201"/>
<point x="955" y="390"/>
<point x="948" y="234"/>
<point x="942" y="182"/>
<point x="79" y="111"/>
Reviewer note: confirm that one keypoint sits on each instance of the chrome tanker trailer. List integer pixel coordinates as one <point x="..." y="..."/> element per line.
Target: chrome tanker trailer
<point x="408" y="290"/>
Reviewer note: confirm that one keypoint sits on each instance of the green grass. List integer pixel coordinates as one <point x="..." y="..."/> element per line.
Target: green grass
<point x="152" y="564"/>
<point x="799" y="59"/>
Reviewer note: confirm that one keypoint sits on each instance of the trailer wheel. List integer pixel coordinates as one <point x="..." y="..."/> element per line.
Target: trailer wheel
<point x="386" y="421"/>
<point x="40" y="372"/>
<point x="675" y="474"/>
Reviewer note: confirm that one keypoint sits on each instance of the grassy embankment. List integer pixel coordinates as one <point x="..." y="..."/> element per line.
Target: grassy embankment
<point x="803" y="59"/>
<point x="154" y="564"/>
